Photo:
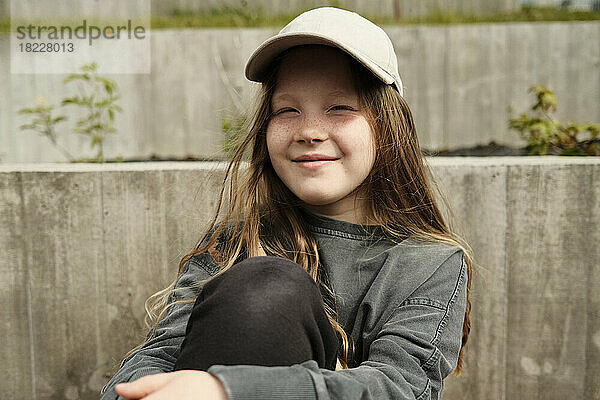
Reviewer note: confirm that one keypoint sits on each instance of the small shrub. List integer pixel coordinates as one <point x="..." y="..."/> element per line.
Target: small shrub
<point x="97" y="98"/>
<point x="99" y="101"/>
<point x="546" y="135"/>
<point x="44" y="123"/>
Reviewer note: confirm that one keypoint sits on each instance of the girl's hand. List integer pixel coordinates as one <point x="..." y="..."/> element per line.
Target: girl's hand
<point x="184" y="384"/>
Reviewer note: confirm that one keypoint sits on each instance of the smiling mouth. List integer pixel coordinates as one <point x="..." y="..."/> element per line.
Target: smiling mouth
<point x="315" y="164"/>
<point x="315" y="157"/>
<point x="309" y="161"/>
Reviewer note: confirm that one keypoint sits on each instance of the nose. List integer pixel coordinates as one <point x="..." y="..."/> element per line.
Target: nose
<point x="311" y="130"/>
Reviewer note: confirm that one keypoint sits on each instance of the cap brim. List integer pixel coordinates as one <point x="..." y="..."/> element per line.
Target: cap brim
<point x="266" y="53"/>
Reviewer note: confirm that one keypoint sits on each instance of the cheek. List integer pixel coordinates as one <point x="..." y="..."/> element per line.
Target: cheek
<point x="372" y="150"/>
<point x="368" y="139"/>
<point x="275" y="144"/>
<point x="274" y="135"/>
<point x="359" y="140"/>
<point x="271" y="142"/>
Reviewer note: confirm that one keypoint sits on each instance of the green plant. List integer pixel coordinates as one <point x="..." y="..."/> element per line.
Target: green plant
<point x="546" y="135"/>
<point x="97" y="97"/>
<point x="99" y="101"/>
<point x="237" y="15"/>
<point x="44" y="123"/>
<point x="242" y="14"/>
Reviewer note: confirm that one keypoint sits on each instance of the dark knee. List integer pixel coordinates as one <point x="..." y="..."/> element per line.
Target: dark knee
<point x="274" y="304"/>
<point x="268" y="273"/>
<point x="257" y="283"/>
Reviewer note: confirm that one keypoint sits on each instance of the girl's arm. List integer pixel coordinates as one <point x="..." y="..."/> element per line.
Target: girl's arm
<point x="158" y="354"/>
<point x="416" y="348"/>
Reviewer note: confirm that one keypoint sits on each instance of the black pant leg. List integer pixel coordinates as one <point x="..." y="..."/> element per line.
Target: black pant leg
<point x="263" y="311"/>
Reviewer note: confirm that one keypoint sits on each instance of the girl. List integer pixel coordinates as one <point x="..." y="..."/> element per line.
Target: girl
<point x="333" y="273"/>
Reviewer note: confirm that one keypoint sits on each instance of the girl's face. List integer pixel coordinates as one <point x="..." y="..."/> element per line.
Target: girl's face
<point x="319" y="140"/>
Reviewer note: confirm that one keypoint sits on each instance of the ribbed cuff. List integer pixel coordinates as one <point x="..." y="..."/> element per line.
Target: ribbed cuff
<point x="108" y="393"/>
<point x="250" y="382"/>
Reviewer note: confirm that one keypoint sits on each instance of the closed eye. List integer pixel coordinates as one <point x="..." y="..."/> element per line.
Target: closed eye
<point x="341" y="107"/>
<point x="285" y="110"/>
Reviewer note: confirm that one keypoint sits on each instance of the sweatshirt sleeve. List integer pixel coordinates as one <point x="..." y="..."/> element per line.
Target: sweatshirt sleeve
<point x="158" y="354"/>
<point x="415" y="349"/>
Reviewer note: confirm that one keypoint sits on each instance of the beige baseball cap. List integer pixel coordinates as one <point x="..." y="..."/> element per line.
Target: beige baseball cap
<point x="360" y="38"/>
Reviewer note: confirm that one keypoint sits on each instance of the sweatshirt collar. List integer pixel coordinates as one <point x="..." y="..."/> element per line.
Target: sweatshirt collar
<point x="327" y="223"/>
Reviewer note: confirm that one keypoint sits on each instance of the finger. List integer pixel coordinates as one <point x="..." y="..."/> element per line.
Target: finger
<point x="143" y="386"/>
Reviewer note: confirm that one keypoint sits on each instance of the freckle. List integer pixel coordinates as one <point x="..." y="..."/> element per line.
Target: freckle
<point x="530" y="366"/>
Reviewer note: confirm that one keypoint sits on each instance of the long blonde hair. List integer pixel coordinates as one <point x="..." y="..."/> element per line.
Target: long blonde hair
<point x="397" y="191"/>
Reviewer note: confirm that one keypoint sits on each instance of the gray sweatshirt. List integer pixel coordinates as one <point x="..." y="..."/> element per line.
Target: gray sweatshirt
<point x="402" y="304"/>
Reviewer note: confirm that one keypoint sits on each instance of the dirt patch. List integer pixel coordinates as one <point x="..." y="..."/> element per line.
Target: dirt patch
<point x="490" y="150"/>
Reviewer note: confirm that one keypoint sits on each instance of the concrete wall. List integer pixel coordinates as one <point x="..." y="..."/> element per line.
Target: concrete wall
<point x="459" y="82"/>
<point x="401" y="8"/>
<point x="84" y="245"/>
<point x="4" y="8"/>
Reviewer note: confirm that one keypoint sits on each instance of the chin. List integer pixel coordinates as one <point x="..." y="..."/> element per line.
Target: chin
<point x="317" y="200"/>
<point x="316" y="193"/>
<point x="316" y="203"/>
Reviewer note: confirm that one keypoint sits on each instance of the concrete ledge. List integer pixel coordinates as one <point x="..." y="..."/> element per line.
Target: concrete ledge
<point x="83" y="245"/>
<point x="209" y="165"/>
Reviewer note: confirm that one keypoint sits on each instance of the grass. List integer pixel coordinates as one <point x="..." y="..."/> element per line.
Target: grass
<point x="526" y="14"/>
<point x="243" y="16"/>
<point x="4" y="25"/>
